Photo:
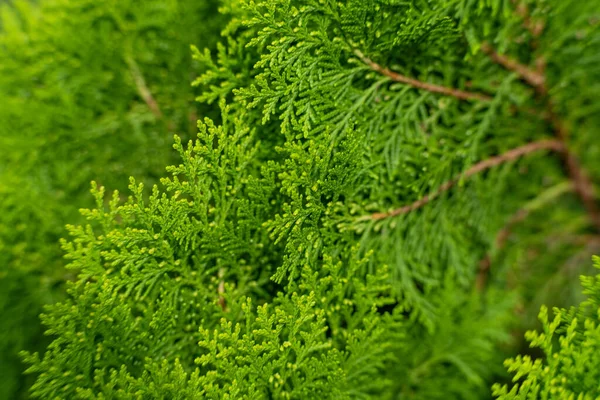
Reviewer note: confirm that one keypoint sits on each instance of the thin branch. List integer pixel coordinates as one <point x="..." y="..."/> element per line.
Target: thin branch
<point x="459" y="94"/>
<point x="142" y="88"/>
<point x="532" y="77"/>
<point x="510" y="155"/>
<point x="221" y="289"/>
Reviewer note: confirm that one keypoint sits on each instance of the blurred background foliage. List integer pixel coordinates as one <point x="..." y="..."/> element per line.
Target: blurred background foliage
<point x="89" y="90"/>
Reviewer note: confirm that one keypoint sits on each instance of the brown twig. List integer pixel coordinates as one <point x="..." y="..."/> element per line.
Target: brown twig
<point x="532" y="77"/>
<point x="510" y="155"/>
<point x="582" y="182"/>
<point x="536" y="79"/>
<point x="459" y="94"/>
<point x="221" y="289"/>
<point x="140" y="84"/>
<point x="485" y="266"/>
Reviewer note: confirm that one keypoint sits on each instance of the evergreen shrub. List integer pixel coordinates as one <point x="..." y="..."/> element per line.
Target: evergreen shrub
<point x="379" y="197"/>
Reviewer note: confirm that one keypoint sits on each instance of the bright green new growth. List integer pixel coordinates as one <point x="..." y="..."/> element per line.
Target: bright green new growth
<point x="391" y="187"/>
<point x="571" y="345"/>
<point x="155" y="274"/>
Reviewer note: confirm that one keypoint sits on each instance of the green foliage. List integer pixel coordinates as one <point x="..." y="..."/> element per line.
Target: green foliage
<point x="72" y="111"/>
<point x="309" y="75"/>
<point x="147" y="293"/>
<point x="334" y="231"/>
<point x="571" y="345"/>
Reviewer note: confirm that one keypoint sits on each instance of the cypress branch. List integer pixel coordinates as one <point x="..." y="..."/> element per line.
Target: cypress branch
<point x="578" y="175"/>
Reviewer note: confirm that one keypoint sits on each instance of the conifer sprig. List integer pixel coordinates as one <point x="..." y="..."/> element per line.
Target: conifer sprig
<point x="537" y="80"/>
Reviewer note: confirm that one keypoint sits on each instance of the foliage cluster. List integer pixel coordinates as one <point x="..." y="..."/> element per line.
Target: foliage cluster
<point x="383" y="193"/>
